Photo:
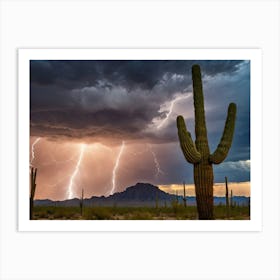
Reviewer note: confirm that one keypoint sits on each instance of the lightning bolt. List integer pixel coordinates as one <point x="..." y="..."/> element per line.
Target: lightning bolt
<point x="33" y="149"/>
<point x="72" y="178"/>
<point x="157" y="165"/>
<point x="116" y="168"/>
<point x="171" y="109"/>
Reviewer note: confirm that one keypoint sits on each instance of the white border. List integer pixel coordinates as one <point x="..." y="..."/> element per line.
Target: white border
<point x="24" y="57"/>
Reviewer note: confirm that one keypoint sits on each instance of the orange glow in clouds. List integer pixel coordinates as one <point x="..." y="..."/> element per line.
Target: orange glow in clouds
<point x="238" y="189"/>
<point x="65" y="168"/>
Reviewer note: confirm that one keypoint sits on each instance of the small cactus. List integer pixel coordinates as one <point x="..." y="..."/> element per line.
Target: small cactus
<point x="82" y="203"/>
<point x="198" y="153"/>
<point x="177" y="198"/>
<point x="227" y="200"/>
<point x="249" y="206"/>
<point x="156" y="199"/>
<point x="33" y="174"/>
<point x="184" y="198"/>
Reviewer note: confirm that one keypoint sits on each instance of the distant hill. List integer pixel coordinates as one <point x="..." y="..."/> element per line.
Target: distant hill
<point x="141" y="194"/>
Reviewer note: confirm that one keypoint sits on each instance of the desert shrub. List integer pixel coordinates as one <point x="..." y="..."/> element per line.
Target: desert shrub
<point x="174" y="212"/>
<point x="101" y="213"/>
<point x="141" y="215"/>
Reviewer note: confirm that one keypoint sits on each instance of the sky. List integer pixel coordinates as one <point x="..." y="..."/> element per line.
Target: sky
<point x="105" y="125"/>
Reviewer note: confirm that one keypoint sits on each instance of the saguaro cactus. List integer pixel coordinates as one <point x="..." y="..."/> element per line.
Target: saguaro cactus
<point x="185" y="198"/>
<point x="227" y="200"/>
<point x="82" y="203"/>
<point x="198" y="153"/>
<point x="33" y="175"/>
<point x="156" y="199"/>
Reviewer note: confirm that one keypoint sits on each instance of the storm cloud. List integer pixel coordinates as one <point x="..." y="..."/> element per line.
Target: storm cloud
<point x="83" y="99"/>
<point x="110" y="101"/>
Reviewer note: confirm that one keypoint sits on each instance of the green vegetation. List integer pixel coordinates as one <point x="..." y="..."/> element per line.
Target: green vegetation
<point x="175" y="212"/>
<point x="198" y="153"/>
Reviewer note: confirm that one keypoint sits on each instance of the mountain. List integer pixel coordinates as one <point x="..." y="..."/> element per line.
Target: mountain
<point x="141" y="194"/>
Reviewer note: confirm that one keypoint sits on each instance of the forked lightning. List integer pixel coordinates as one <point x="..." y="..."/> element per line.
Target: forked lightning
<point x="116" y="168"/>
<point x="72" y="178"/>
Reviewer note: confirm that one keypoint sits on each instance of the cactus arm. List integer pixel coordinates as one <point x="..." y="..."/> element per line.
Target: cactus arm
<point x="188" y="147"/>
<point x="225" y="143"/>
<point x="200" y="124"/>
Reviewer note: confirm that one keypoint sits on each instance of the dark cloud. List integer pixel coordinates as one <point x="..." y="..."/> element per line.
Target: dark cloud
<point x="237" y="171"/>
<point x="121" y="96"/>
<point x="111" y="101"/>
<point x="129" y="74"/>
<point x="232" y="88"/>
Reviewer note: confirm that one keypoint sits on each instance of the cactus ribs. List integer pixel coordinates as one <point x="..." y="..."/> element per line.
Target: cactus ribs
<point x="198" y="153"/>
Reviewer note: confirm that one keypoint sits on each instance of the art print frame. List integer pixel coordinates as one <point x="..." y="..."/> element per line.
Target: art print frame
<point x="254" y="55"/>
